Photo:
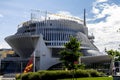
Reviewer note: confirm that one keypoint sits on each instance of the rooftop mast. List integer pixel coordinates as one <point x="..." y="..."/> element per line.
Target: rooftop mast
<point x="84" y="17"/>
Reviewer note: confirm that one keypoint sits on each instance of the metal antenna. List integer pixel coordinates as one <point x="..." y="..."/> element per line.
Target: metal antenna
<point x="84" y="17"/>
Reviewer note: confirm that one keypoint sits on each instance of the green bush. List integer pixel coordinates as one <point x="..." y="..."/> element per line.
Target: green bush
<point x="53" y="75"/>
<point x="81" y="73"/>
<point x="17" y="76"/>
<point x="25" y="76"/>
<point x="59" y="74"/>
<point x="34" y="76"/>
<point x="94" y="73"/>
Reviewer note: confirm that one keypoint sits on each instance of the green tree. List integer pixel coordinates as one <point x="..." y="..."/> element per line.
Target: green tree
<point x="70" y="55"/>
<point x="114" y="54"/>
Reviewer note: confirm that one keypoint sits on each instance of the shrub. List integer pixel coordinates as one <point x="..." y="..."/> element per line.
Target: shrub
<point x="25" y="76"/>
<point x="59" y="74"/>
<point x="17" y="76"/>
<point x="94" y="73"/>
<point x="53" y="75"/>
<point x="34" y="76"/>
<point x="81" y="73"/>
<point x="31" y="76"/>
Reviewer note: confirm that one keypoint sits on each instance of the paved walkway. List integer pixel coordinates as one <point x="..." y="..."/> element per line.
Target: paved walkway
<point x="7" y="77"/>
<point x="1" y="77"/>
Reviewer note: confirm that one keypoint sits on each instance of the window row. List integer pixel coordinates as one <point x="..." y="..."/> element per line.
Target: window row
<point x="55" y="43"/>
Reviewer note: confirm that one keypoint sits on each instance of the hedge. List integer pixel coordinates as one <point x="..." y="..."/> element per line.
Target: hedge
<point x="58" y="74"/>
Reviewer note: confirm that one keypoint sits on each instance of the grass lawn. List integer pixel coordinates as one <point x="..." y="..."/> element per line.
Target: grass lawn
<point x="92" y="78"/>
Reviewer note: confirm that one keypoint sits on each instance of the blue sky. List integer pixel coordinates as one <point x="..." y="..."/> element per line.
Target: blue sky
<point x="102" y="17"/>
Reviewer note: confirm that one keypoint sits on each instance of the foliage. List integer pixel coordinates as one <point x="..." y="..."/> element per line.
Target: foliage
<point x="28" y="76"/>
<point x="81" y="73"/>
<point x="80" y="66"/>
<point x="71" y="53"/>
<point x="94" y="73"/>
<point x="25" y="76"/>
<point x="115" y="54"/>
<point x="92" y="78"/>
<point x="17" y="76"/>
<point x="58" y="74"/>
<point x="34" y="76"/>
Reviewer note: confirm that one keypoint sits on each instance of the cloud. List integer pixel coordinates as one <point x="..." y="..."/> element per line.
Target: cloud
<point x="99" y="1"/>
<point x="106" y="30"/>
<point x="100" y="10"/>
<point x="1" y="15"/>
<point x="59" y="15"/>
<point x="4" y="45"/>
<point x="95" y="10"/>
<point x="64" y="13"/>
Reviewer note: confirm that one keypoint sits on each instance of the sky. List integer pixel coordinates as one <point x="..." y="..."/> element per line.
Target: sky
<point x="103" y="17"/>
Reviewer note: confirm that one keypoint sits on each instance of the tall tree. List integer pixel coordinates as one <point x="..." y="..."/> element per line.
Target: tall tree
<point x="115" y="54"/>
<point x="70" y="55"/>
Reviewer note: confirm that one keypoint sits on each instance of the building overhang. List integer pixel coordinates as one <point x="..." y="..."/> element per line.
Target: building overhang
<point x="96" y="59"/>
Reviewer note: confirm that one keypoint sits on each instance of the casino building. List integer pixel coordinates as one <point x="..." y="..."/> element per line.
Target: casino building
<point x="46" y="37"/>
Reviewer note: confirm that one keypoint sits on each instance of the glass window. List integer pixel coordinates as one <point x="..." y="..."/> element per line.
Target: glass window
<point x="50" y="24"/>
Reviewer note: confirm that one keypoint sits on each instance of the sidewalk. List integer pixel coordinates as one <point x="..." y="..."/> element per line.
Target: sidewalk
<point x="8" y="77"/>
<point x="1" y="77"/>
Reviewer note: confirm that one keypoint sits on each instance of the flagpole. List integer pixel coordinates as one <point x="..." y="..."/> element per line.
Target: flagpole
<point x="21" y="68"/>
<point x="34" y="61"/>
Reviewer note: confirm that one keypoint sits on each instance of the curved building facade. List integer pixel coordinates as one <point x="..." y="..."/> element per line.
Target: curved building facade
<point x="47" y="37"/>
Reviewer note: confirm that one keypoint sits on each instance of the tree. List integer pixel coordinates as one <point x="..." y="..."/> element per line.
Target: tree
<point x="115" y="54"/>
<point x="115" y="57"/>
<point x="70" y="55"/>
